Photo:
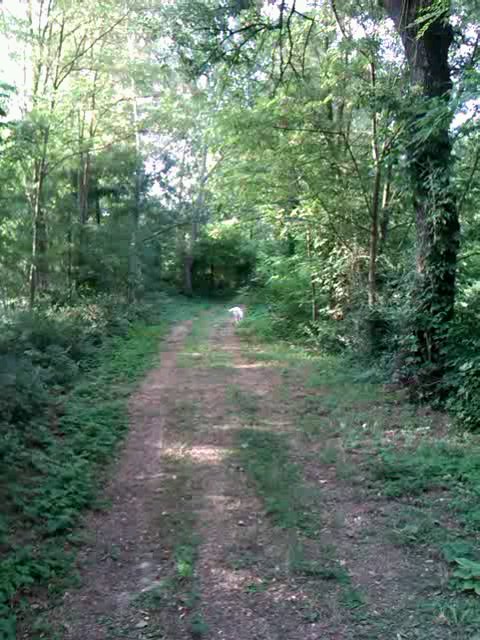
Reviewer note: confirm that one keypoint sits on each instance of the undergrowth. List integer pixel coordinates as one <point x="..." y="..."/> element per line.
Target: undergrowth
<point x="54" y="453"/>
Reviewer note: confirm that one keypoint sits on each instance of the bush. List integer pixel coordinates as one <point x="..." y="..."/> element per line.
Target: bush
<point x="35" y="332"/>
<point x="465" y="395"/>
<point x="46" y="348"/>
<point x="258" y="322"/>
<point x="323" y="336"/>
<point x="59" y="369"/>
<point x="461" y="385"/>
<point x="23" y="393"/>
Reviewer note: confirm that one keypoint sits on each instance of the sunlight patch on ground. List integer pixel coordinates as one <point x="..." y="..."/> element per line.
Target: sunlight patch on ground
<point x="176" y="451"/>
<point x="151" y="476"/>
<point x="229" y="580"/>
<point x="207" y="454"/>
<point x="224" y="426"/>
<point x="256" y="365"/>
<point x="267" y="425"/>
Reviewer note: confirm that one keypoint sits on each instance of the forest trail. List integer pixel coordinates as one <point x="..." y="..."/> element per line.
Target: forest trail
<point x="235" y="514"/>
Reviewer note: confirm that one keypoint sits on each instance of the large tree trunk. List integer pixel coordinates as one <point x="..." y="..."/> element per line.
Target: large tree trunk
<point x="436" y="211"/>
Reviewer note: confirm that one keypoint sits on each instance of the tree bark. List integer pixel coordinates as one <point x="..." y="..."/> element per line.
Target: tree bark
<point x="437" y="222"/>
<point x="83" y="176"/>
<point x="373" y="244"/>
<point x="199" y="205"/>
<point x="375" y="208"/>
<point x="39" y="260"/>
<point x="212" y="278"/>
<point x="313" y="284"/>
<point x="187" y="275"/>
<point x="385" y="215"/>
<point x="133" y="262"/>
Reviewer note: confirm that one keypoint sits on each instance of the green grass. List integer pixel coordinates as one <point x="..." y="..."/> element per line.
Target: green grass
<point x="244" y="402"/>
<point x="62" y="470"/>
<point x="325" y="566"/>
<point x="186" y="414"/>
<point x="428" y="466"/>
<point x="444" y="476"/>
<point x="288" y="501"/>
<point x="256" y="587"/>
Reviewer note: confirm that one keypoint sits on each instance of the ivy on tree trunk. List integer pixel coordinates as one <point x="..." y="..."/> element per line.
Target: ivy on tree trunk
<point x="427" y="35"/>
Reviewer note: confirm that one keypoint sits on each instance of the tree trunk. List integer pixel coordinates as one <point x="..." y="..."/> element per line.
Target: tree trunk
<point x="212" y="278"/>
<point x="83" y="212"/>
<point x="373" y="245"/>
<point x="375" y="208"/>
<point x="188" y="259"/>
<point x="39" y="260"/>
<point x="70" y="283"/>
<point x="199" y="205"/>
<point x="385" y="221"/>
<point x="96" y="197"/>
<point x="83" y="186"/>
<point x="133" y="263"/>
<point x="437" y="222"/>
<point x="187" y="275"/>
<point x="313" y="284"/>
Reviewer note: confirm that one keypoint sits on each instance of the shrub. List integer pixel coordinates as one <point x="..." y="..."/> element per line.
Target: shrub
<point x="35" y="332"/>
<point x="22" y="389"/>
<point x="465" y="393"/>
<point x="59" y="368"/>
<point x="259" y="322"/>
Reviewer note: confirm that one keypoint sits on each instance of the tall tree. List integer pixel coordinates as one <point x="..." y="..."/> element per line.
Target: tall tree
<point x="424" y="28"/>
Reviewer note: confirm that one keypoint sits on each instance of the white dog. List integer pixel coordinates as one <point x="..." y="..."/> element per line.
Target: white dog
<point x="237" y="314"/>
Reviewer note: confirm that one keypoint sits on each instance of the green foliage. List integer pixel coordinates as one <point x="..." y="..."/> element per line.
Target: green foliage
<point x="325" y="569"/>
<point x="51" y="462"/>
<point x="467" y="575"/>
<point x="198" y="627"/>
<point x="42" y="352"/>
<point x="281" y="288"/>
<point x="465" y="400"/>
<point x="224" y="259"/>
<point x="259" y="322"/>
<point x="413" y="471"/>
<point x="23" y="392"/>
<point x="185" y="556"/>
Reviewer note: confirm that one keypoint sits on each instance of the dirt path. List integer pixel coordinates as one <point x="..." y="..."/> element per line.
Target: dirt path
<point x="224" y="524"/>
<point x="125" y="551"/>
